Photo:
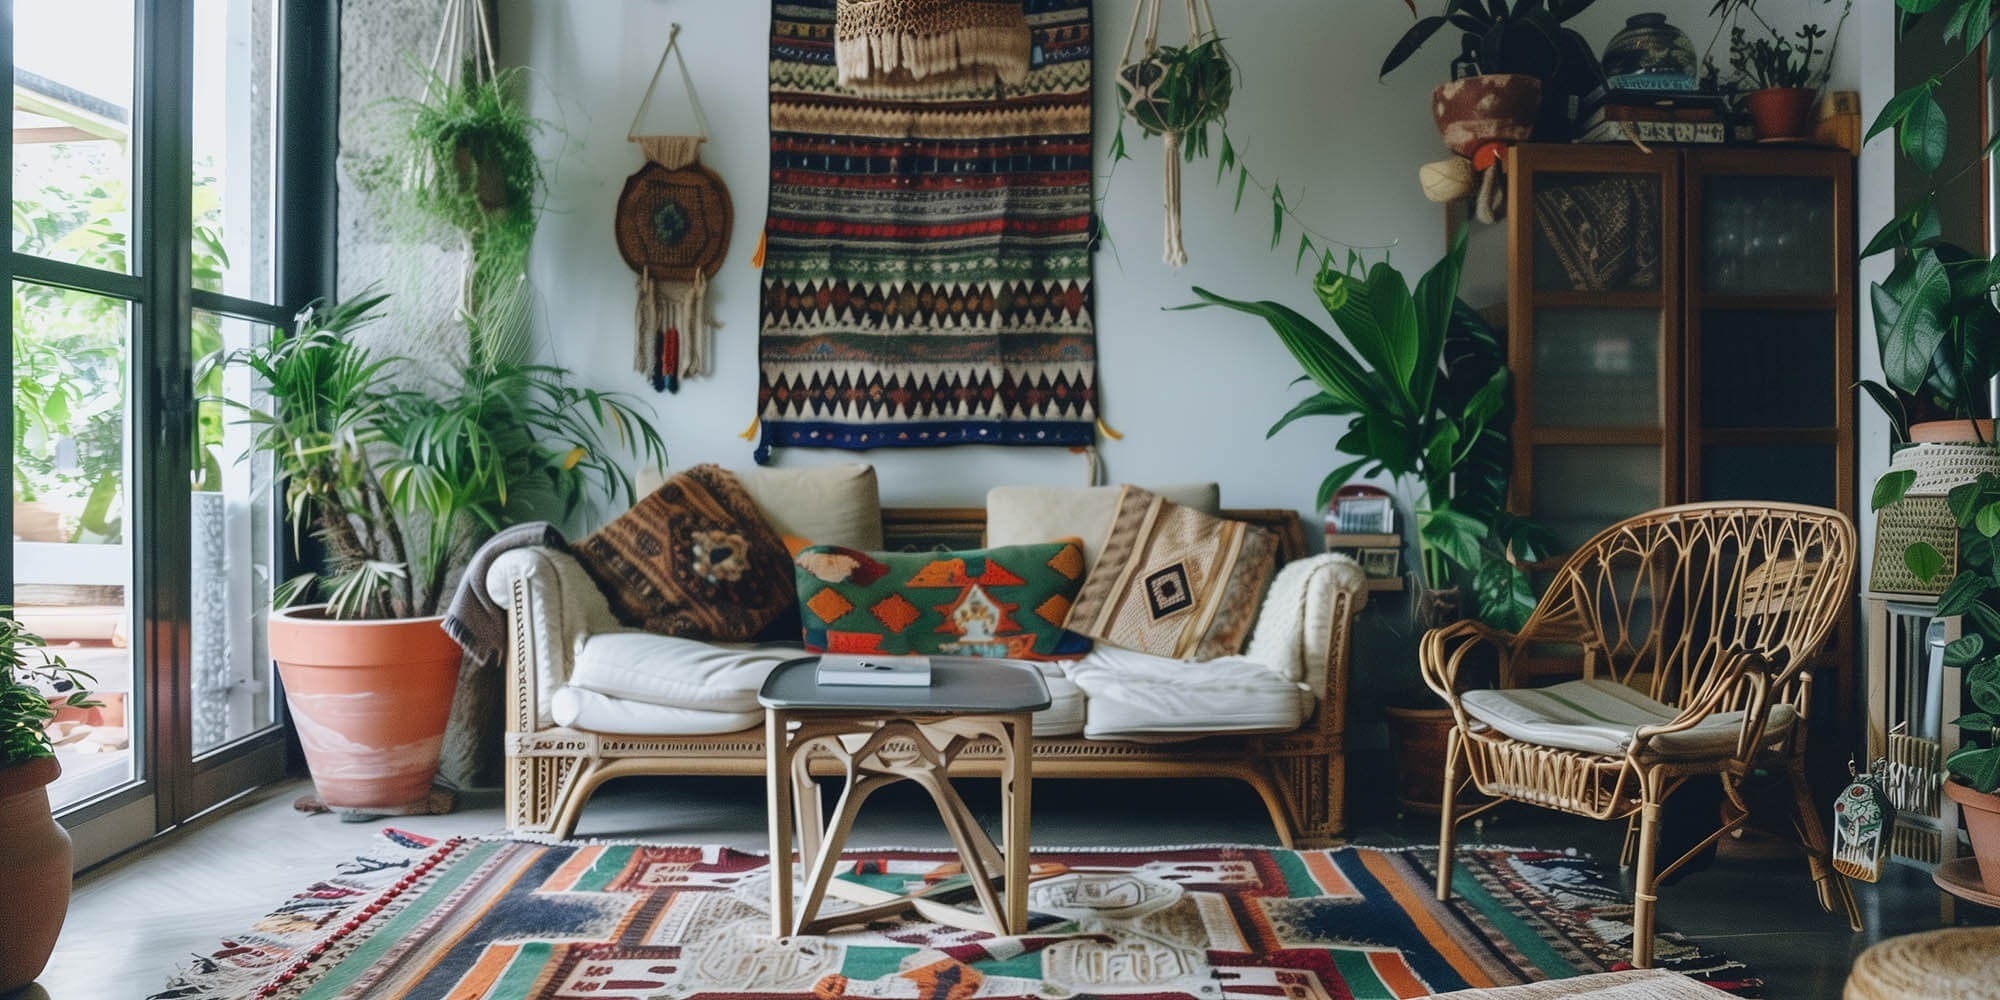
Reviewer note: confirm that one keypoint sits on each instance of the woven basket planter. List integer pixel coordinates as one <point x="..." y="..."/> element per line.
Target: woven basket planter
<point x="1923" y="515"/>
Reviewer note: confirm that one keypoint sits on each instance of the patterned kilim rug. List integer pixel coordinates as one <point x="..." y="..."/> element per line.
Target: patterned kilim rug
<point x="477" y="919"/>
<point x="927" y="263"/>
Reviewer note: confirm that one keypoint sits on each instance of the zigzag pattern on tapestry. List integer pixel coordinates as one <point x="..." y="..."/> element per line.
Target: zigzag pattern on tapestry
<point x="927" y="272"/>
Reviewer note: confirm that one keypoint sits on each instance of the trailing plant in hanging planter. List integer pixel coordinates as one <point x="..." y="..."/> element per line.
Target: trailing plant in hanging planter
<point x="1175" y="92"/>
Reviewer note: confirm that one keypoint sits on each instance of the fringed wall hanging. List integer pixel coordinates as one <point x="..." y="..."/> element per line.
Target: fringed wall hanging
<point x="673" y="229"/>
<point x="927" y="265"/>
<point x="901" y="45"/>
<point x="1176" y="92"/>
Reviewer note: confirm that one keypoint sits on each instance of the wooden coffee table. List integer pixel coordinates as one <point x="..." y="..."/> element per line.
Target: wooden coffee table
<point x="882" y="735"/>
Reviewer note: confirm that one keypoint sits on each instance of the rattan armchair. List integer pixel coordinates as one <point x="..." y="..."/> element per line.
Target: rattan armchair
<point x="1692" y="629"/>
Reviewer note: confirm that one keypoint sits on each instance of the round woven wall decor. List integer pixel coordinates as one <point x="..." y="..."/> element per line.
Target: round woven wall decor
<point x="672" y="223"/>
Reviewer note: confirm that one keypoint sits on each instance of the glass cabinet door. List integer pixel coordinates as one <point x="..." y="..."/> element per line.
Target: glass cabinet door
<point x="1592" y="318"/>
<point x="1768" y="338"/>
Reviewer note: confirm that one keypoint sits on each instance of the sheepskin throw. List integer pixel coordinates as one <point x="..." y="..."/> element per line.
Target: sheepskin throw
<point x="927" y="270"/>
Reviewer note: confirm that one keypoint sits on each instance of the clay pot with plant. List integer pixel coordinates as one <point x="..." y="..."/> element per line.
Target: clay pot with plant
<point x="1525" y="39"/>
<point x="399" y="487"/>
<point x="1780" y="74"/>
<point x="34" y="848"/>
<point x="1422" y="382"/>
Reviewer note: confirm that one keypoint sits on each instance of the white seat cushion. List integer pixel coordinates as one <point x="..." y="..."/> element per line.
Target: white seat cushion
<point x="601" y="713"/>
<point x="1145" y="698"/>
<point x="621" y="678"/>
<point x="1599" y="716"/>
<point x="678" y="673"/>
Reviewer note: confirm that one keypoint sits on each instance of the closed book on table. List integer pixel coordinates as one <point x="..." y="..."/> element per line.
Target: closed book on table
<point x="874" y="671"/>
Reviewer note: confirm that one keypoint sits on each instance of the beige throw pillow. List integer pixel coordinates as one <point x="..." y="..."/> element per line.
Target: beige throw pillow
<point x="1173" y="581"/>
<point x="1026" y="515"/>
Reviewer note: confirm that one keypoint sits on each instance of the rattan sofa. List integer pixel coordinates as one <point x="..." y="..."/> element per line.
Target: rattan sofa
<point x="552" y="770"/>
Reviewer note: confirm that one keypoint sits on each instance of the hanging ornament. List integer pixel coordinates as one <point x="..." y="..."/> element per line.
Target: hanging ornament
<point x="673" y="229"/>
<point x="889" y="46"/>
<point x="1176" y="93"/>
<point x="1864" y="818"/>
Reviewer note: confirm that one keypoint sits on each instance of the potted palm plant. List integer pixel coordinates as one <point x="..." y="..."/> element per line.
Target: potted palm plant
<point x="34" y="848"/>
<point x="1421" y="380"/>
<point x="398" y="487"/>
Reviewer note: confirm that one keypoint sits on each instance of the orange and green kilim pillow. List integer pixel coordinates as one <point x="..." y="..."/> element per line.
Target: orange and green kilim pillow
<point x="1008" y="601"/>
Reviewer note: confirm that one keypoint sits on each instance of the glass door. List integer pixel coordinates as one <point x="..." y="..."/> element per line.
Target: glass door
<point x="1593" y="334"/>
<point x="146" y="184"/>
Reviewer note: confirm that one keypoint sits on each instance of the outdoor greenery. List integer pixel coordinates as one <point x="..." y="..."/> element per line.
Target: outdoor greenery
<point x="1939" y="334"/>
<point x="1765" y="56"/>
<point x="1421" y="378"/>
<point x="27" y="671"/>
<point x="400" y="486"/>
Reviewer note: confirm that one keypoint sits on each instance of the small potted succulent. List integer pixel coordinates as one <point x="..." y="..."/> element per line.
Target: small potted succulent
<point x="34" y="848"/>
<point x="1781" y="73"/>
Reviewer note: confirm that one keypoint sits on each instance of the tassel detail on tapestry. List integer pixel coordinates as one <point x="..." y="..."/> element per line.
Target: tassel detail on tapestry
<point x="673" y="227"/>
<point x="885" y="46"/>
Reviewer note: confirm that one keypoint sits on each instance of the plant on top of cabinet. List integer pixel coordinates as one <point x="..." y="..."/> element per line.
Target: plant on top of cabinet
<point x="1782" y="73"/>
<point x="1527" y="38"/>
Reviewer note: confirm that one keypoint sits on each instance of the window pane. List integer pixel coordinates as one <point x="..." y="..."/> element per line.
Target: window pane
<point x="1767" y="234"/>
<point x="1597" y="368"/>
<point x="72" y="130"/>
<point x="230" y="548"/>
<point x="72" y="566"/>
<point x="235" y="106"/>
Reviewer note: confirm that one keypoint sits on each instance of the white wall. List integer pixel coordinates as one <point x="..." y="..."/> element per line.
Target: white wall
<point x="1192" y="392"/>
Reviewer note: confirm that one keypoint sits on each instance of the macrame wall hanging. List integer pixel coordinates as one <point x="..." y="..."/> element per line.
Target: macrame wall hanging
<point x="673" y="229"/>
<point x="1176" y="93"/>
<point x="890" y="46"/>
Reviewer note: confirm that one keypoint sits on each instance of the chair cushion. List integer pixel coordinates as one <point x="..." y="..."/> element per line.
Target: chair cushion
<point x="1599" y="716"/>
<point x="1008" y="601"/>
<point x="1065" y="714"/>
<point x="694" y="558"/>
<point x="600" y="713"/>
<point x="1137" y="696"/>
<point x="1022" y="515"/>
<point x="1174" y="581"/>
<point x="675" y="672"/>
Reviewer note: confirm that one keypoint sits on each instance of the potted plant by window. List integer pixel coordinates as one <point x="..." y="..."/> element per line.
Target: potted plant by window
<point x="1782" y="74"/>
<point x="1424" y="386"/>
<point x="398" y="487"/>
<point x="34" y="848"/>
<point x="1516" y="69"/>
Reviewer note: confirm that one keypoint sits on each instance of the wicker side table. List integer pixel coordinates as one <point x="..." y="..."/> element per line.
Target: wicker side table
<point x="1956" y="963"/>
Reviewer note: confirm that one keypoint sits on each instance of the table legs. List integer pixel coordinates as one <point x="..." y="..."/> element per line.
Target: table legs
<point x="877" y="752"/>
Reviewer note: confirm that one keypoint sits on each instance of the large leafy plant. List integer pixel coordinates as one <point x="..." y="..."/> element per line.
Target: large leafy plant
<point x="1935" y="320"/>
<point x="1417" y="375"/>
<point x="398" y="485"/>
<point x="28" y="672"/>
<point x="1974" y="595"/>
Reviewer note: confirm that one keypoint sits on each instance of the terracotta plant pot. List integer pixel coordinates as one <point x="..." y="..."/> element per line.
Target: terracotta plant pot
<point x="1780" y="112"/>
<point x="1472" y="111"/>
<point x="1982" y="824"/>
<point x="1952" y="432"/>
<point x="34" y="873"/>
<point x="370" y="700"/>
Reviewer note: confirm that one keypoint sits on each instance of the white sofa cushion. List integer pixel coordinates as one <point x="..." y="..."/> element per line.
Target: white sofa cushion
<point x="1023" y="515"/>
<point x="1144" y="698"/>
<point x="1599" y="716"/>
<point x="601" y="713"/>
<point x="678" y="673"/>
<point x="1065" y="714"/>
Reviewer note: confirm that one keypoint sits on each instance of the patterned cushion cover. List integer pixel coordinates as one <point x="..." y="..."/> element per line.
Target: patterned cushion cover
<point x="693" y="559"/>
<point x="1175" y="582"/>
<point x="1007" y="602"/>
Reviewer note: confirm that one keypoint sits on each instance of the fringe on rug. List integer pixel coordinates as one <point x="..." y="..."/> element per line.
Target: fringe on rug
<point x="927" y="42"/>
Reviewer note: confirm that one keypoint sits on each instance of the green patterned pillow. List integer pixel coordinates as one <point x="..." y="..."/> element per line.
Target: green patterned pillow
<point x="1008" y="601"/>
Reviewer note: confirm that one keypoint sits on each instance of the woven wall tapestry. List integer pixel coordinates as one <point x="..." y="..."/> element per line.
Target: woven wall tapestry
<point x="927" y="263"/>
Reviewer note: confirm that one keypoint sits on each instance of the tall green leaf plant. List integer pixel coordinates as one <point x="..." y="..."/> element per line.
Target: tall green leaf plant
<point x="1416" y="374"/>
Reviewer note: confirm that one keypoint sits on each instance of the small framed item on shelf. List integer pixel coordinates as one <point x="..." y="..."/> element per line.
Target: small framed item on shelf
<point x="1381" y="564"/>
<point x="1364" y="514"/>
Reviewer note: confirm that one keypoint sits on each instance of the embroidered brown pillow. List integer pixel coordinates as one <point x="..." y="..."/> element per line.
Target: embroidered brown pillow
<point x="1173" y="581"/>
<point x="694" y="559"/>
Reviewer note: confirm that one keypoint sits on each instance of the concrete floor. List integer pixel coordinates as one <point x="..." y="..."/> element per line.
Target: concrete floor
<point x="140" y="916"/>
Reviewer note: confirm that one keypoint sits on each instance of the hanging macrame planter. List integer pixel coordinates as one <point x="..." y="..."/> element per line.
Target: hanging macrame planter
<point x="889" y="46"/>
<point x="1176" y="93"/>
<point x="673" y="229"/>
